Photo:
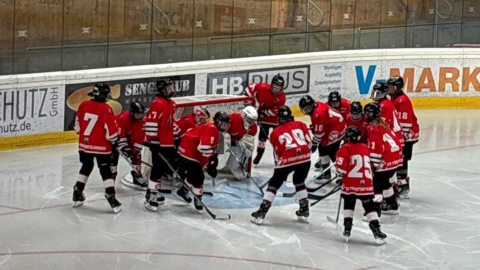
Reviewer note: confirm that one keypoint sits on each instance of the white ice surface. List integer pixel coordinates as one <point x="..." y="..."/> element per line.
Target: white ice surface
<point x="437" y="229"/>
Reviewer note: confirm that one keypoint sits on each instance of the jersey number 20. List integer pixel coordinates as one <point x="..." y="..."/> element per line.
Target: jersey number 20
<point x="293" y="142"/>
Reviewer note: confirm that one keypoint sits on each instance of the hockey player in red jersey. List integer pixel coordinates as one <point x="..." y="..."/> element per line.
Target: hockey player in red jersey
<point x="159" y="138"/>
<point x="328" y="126"/>
<point x="197" y="150"/>
<point x="357" y="118"/>
<point x="387" y="110"/>
<point x="199" y="117"/>
<point x="410" y="129"/>
<point x="291" y="143"/>
<point x="98" y="133"/>
<point x="355" y="174"/>
<point x="242" y="132"/>
<point x="340" y="104"/>
<point x="268" y="98"/>
<point x="130" y="127"/>
<point x="385" y="155"/>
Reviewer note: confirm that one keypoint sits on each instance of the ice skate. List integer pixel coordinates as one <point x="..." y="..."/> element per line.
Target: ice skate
<point x="198" y="205"/>
<point x="303" y="212"/>
<point x="78" y="197"/>
<point x="259" y="216"/>
<point x="379" y="236"/>
<point x="390" y="209"/>
<point x="182" y="195"/>
<point x="138" y="181"/>
<point x="257" y="158"/>
<point x="114" y="203"/>
<point x="151" y="200"/>
<point x="403" y="192"/>
<point x="347" y="229"/>
<point x="318" y="165"/>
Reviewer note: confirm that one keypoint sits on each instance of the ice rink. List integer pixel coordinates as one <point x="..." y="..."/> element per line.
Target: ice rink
<point x="438" y="228"/>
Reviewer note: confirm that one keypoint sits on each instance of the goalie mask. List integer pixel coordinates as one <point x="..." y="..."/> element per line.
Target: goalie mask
<point x="201" y="115"/>
<point x="249" y="116"/>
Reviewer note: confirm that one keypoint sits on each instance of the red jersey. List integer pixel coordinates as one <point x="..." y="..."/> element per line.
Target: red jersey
<point x="267" y="102"/>
<point x="344" y="108"/>
<point x="389" y="114"/>
<point x="131" y="132"/>
<point x="291" y="143"/>
<point x="237" y="128"/>
<point x="159" y="121"/>
<point x="407" y="118"/>
<point x="361" y="124"/>
<point x="185" y="123"/>
<point x="385" y="148"/>
<point x="200" y="143"/>
<point x="328" y="124"/>
<point x="95" y="123"/>
<point x="353" y="161"/>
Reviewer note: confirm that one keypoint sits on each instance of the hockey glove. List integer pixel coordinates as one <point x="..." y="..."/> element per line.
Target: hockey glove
<point x="314" y="148"/>
<point x="127" y="153"/>
<point x="339" y="180"/>
<point x="212" y="166"/>
<point x="154" y="145"/>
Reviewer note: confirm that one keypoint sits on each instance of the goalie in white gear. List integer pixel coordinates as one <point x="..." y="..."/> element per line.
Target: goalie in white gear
<point x="243" y="129"/>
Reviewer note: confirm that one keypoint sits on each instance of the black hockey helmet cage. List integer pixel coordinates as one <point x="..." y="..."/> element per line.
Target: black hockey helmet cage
<point x="221" y="120"/>
<point x="334" y="97"/>
<point x="161" y="87"/>
<point x="353" y="134"/>
<point x="137" y="107"/>
<point x="284" y="114"/>
<point x="277" y="84"/>
<point x="395" y="84"/>
<point x="100" y="92"/>
<point x="306" y="104"/>
<point x="379" y="91"/>
<point x="372" y="111"/>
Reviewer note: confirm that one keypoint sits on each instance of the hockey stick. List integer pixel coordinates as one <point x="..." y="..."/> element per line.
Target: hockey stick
<point x="248" y="174"/>
<point x="338" y="212"/>
<point x="179" y="179"/>
<point x="169" y="191"/>
<point x="322" y="197"/>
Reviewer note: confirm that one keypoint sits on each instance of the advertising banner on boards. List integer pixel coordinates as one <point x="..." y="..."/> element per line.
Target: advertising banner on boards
<point x="297" y="80"/>
<point x="122" y="93"/>
<point x="29" y="111"/>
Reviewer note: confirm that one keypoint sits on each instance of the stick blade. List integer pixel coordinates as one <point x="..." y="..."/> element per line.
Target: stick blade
<point x="223" y="217"/>
<point x="331" y="219"/>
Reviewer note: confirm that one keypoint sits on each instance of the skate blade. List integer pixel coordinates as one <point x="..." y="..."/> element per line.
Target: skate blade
<point x="391" y="212"/>
<point x="257" y="221"/>
<point x="303" y="219"/>
<point x="199" y="211"/>
<point x="381" y="241"/>
<point x="404" y="197"/>
<point x="161" y="202"/>
<point x="78" y="203"/>
<point x="117" y="209"/>
<point x="150" y="207"/>
<point x="180" y="198"/>
<point x="346" y="239"/>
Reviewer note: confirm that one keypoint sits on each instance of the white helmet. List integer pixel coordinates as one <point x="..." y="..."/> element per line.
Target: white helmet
<point x="201" y="115"/>
<point x="250" y="116"/>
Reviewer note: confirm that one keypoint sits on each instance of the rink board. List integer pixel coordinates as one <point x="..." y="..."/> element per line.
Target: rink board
<point x="39" y="109"/>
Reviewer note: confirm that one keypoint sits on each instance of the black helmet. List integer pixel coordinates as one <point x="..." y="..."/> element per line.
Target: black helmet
<point x="221" y="120"/>
<point x="137" y="107"/>
<point x="353" y="134"/>
<point x="372" y="111"/>
<point x="379" y="91"/>
<point x="284" y="114"/>
<point x="100" y="92"/>
<point x="356" y="107"/>
<point x="307" y="104"/>
<point x="162" y="85"/>
<point x="277" y="84"/>
<point x="334" y="97"/>
<point x="395" y="84"/>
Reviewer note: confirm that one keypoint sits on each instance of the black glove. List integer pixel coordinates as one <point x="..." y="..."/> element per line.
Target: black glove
<point x="212" y="171"/>
<point x="212" y="166"/>
<point x="314" y="148"/>
<point x="154" y="145"/>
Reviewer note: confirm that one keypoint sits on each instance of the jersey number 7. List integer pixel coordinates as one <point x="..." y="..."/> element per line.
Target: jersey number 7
<point x="92" y="120"/>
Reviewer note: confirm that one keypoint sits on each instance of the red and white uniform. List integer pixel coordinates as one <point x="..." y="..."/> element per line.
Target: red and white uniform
<point x="159" y="122"/>
<point x="185" y="123"/>
<point x="353" y="161"/>
<point x="237" y="128"/>
<point x="328" y="125"/>
<point x="344" y="108"/>
<point x="389" y="114"/>
<point x="132" y="133"/>
<point x="291" y="143"/>
<point x="361" y="124"/>
<point x="199" y="143"/>
<point x="95" y="123"/>
<point x="267" y="102"/>
<point x="407" y="118"/>
<point x="385" y="148"/>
